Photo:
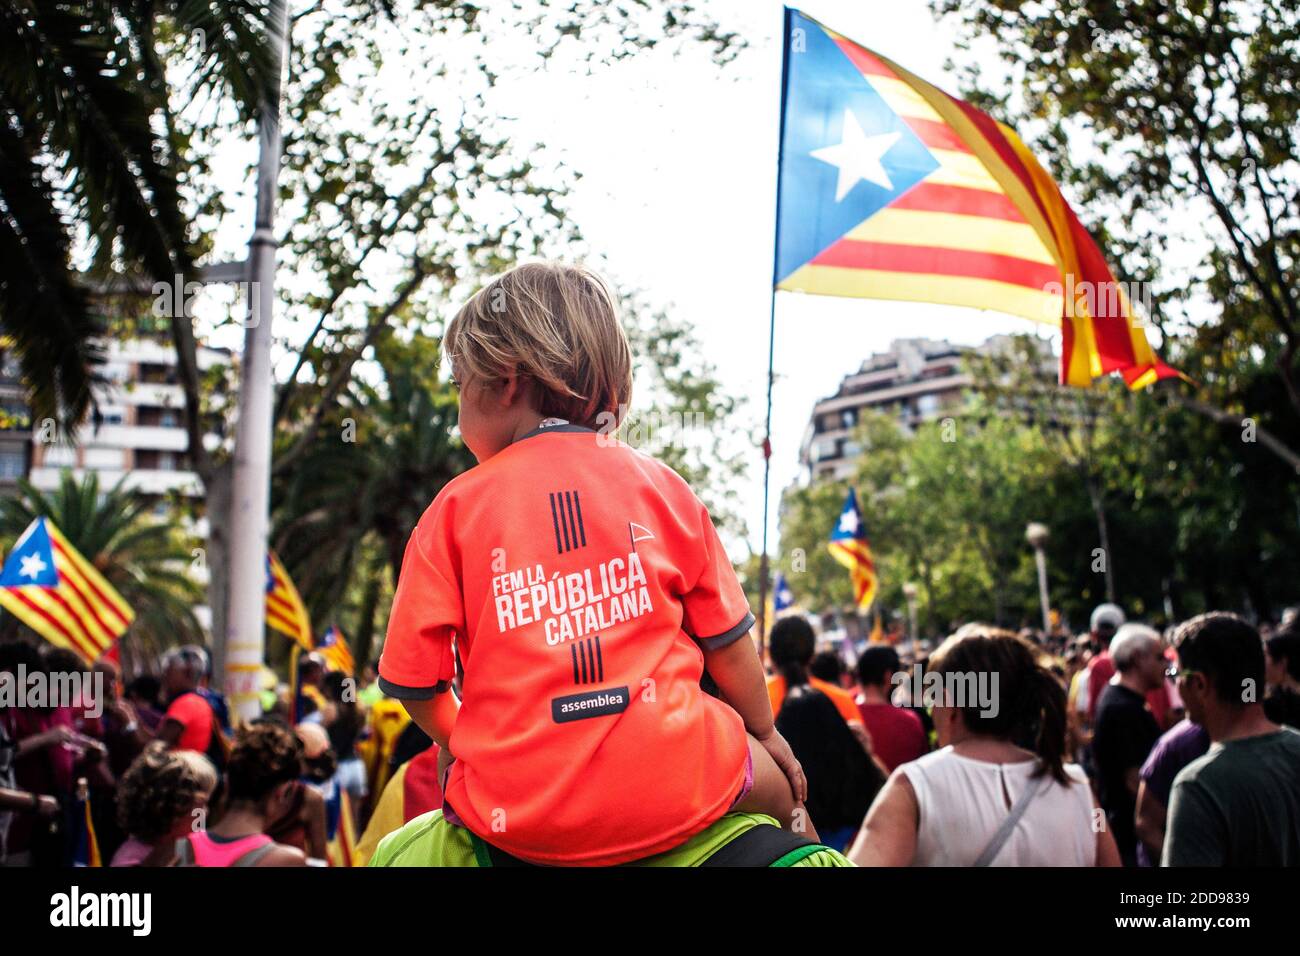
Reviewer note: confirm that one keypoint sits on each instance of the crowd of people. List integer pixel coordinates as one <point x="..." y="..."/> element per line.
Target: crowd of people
<point x="150" y="771"/>
<point x="1124" y="746"/>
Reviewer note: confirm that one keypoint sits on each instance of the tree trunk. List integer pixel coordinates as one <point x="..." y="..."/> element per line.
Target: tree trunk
<point x="927" y="582"/>
<point x="1103" y="535"/>
<point x="365" y="636"/>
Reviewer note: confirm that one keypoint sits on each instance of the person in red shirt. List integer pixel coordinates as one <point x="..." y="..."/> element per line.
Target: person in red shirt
<point x="897" y="736"/>
<point x="188" y="723"/>
<point x="583" y="589"/>
<point x="1106" y="621"/>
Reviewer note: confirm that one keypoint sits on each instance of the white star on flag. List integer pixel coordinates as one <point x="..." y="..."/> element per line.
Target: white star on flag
<point x="849" y="522"/>
<point x="858" y="156"/>
<point x="32" y="566"/>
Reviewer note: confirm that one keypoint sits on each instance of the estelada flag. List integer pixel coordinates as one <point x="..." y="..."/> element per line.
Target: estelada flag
<point x="85" y="842"/>
<point x="341" y="848"/>
<point x="783" y="597"/>
<point x="334" y="648"/>
<point x="892" y="189"/>
<point x="285" y="611"/>
<point x="849" y="546"/>
<point x="50" y="586"/>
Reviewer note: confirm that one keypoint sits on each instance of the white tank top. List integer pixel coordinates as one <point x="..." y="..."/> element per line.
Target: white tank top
<point x="963" y="802"/>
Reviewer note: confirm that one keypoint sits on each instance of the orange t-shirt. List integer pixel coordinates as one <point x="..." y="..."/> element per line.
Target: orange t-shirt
<point x="578" y="579"/>
<point x="841" y="698"/>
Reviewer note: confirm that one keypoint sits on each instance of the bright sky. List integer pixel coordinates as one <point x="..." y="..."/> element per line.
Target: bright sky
<point x="678" y="159"/>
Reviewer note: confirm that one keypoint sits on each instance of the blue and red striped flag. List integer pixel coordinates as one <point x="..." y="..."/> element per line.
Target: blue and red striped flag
<point x="892" y="189"/>
<point x="849" y="546"/>
<point x="85" y="842"/>
<point x="50" y="586"/>
<point x="334" y="648"/>
<point x="285" y="611"/>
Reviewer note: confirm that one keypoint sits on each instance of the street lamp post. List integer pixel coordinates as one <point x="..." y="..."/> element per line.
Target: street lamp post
<point x="244" y="642"/>
<point x="909" y="592"/>
<point x="1036" y="534"/>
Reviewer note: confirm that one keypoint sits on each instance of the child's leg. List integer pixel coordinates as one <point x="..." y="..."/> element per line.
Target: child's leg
<point x="771" y="794"/>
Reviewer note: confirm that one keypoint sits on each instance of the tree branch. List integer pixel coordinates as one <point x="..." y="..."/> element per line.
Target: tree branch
<point x="1225" y="417"/>
<point x="343" y="372"/>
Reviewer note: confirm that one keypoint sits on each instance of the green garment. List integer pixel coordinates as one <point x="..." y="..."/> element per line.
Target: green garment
<point x="371" y="695"/>
<point x="429" y="840"/>
<point x="1239" y="805"/>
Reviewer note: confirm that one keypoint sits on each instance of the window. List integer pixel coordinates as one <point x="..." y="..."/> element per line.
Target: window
<point x="154" y="374"/>
<point x="110" y="418"/>
<point x="13" y="462"/>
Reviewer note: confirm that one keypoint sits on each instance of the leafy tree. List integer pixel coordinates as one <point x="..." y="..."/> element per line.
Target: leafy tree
<point x="945" y="508"/>
<point x="91" y="165"/>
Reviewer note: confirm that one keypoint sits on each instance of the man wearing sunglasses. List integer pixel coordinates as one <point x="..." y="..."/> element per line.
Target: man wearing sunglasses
<point x="1239" y="805"/>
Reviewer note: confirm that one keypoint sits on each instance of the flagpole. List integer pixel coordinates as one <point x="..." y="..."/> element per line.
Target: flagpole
<point x="763" y="568"/>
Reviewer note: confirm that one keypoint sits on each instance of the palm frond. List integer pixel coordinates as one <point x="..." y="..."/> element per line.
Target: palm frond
<point x="71" y="68"/>
<point x="43" y="311"/>
<point x="240" y="49"/>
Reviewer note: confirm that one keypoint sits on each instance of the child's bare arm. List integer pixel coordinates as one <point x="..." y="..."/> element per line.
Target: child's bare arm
<point x="739" y="675"/>
<point x="435" y="716"/>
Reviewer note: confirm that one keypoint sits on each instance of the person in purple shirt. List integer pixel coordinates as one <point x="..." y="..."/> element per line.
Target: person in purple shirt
<point x="1177" y="747"/>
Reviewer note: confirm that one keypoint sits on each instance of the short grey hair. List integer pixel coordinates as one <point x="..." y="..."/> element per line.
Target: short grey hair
<point x="1129" y="641"/>
<point x="191" y="657"/>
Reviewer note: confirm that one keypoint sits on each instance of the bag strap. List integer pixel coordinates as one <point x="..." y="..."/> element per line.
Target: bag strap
<point x="485" y="854"/>
<point x="1003" y="833"/>
<point x="252" y="856"/>
<point x="762" y="845"/>
<point x="184" y="852"/>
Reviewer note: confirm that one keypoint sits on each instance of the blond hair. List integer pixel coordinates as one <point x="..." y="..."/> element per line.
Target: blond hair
<point x="556" y="325"/>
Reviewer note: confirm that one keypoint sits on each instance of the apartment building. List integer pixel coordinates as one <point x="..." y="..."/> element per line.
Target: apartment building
<point x="138" y="431"/>
<point x="916" y="380"/>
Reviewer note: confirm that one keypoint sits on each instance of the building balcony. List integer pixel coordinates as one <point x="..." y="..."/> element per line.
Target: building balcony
<point x="153" y="437"/>
<point x="149" y="481"/>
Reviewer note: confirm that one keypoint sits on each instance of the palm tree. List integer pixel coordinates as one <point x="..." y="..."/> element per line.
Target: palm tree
<point x="88" y="143"/>
<point x="342" y="515"/>
<point x="144" y="558"/>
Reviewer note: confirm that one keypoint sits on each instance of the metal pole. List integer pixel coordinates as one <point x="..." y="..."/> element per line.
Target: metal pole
<point x="771" y="342"/>
<point x="1040" y="557"/>
<point x="251" y="484"/>
<point x="763" y="571"/>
